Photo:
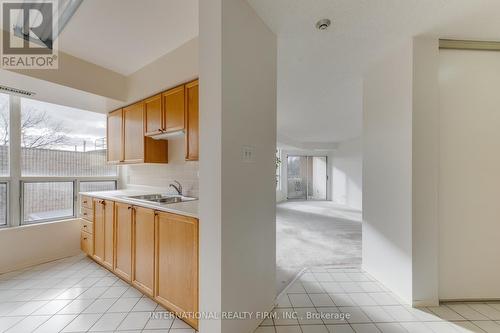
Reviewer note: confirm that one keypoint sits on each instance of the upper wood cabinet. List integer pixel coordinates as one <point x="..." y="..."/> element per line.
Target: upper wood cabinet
<point x="126" y="141"/>
<point x="173" y="109"/>
<point x="133" y="132"/>
<point x="176" y="269"/>
<point x="192" y="121"/>
<point x="123" y="241"/>
<point x="115" y="136"/>
<point x="153" y="115"/>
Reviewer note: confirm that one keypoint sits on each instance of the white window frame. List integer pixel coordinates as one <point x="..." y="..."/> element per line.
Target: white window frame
<point x="5" y="180"/>
<point x="15" y="181"/>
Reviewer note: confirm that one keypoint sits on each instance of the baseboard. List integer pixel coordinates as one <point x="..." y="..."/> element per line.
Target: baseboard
<point x="424" y="303"/>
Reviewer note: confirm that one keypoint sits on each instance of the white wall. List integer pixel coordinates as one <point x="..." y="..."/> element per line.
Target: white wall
<point x="175" y="67"/>
<point x="387" y="171"/>
<point x="347" y="174"/>
<point x="25" y="246"/>
<point x="237" y="198"/>
<point x="162" y="175"/>
<point x="469" y="178"/>
<point x="425" y="159"/>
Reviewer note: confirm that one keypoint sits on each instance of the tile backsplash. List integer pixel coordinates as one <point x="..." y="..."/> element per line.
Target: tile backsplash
<point x="161" y="175"/>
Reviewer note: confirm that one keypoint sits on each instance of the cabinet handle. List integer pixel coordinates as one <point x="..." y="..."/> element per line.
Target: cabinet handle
<point x="85" y="226"/>
<point x="84" y="214"/>
<point x="85" y="238"/>
<point x="85" y="201"/>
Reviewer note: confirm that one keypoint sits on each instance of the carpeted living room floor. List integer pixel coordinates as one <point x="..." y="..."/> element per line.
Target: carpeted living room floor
<point x="314" y="233"/>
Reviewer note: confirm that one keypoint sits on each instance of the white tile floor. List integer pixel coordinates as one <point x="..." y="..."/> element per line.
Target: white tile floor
<point x="322" y="294"/>
<point x="77" y="295"/>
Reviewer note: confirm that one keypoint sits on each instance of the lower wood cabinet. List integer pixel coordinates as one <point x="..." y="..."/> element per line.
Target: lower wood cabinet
<point x="176" y="269"/>
<point x="123" y="241"/>
<point x="157" y="252"/>
<point x="103" y="232"/>
<point x="86" y="243"/>
<point x="143" y="249"/>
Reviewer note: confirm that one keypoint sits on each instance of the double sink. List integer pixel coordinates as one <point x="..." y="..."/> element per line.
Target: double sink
<point x="161" y="198"/>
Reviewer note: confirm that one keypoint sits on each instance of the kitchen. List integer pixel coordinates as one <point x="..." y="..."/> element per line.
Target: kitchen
<point x="117" y="120"/>
<point x="149" y="239"/>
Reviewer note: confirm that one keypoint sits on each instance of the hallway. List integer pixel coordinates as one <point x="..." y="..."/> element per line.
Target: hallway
<point x="315" y="233"/>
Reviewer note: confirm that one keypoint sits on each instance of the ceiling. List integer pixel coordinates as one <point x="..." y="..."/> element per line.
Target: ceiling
<point x="126" y="35"/>
<point x="320" y="72"/>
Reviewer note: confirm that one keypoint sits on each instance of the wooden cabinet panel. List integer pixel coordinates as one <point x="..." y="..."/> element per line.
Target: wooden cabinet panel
<point x="99" y="214"/>
<point x="153" y="115"/>
<point x="86" y="213"/>
<point x="123" y="240"/>
<point x="86" y="243"/>
<point x="176" y="270"/>
<point x="192" y="120"/>
<point x="143" y="250"/>
<point x="174" y="109"/>
<point x="109" y="222"/>
<point x="133" y="132"/>
<point x="87" y="226"/>
<point x="86" y="202"/>
<point x="115" y="136"/>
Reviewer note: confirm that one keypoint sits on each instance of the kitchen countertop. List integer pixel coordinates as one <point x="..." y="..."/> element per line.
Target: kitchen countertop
<point x="187" y="208"/>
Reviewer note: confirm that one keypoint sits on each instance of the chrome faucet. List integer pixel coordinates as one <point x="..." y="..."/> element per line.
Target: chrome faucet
<point x="177" y="187"/>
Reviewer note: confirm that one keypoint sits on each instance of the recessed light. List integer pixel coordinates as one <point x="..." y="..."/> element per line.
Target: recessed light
<point x="323" y="24"/>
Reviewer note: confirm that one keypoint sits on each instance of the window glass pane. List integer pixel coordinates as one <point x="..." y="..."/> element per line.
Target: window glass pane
<point x="62" y="141"/>
<point x="3" y="204"/>
<point x="97" y="186"/>
<point x="47" y="201"/>
<point x="4" y="135"/>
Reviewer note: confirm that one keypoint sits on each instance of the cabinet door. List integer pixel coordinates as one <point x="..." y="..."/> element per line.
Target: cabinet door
<point x="114" y="136"/>
<point x="123" y="240"/>
<point x="133" y="125"/>
<point x="153" y="116"/>
<point x="192" y="126"/>
<point x="176" y="273"/>
<point x="86" y="242"/>
<point x="173" y="109"/>
<point x="143" y="249"/>
<point x="99" y="230"/>
<point x="109" y="222"/>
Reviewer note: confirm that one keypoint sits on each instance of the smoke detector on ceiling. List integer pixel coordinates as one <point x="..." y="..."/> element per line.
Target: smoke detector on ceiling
<point x="323" y="24"/>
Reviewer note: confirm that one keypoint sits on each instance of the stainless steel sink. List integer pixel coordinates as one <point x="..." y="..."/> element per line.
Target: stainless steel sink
<point x="161" y="198"/>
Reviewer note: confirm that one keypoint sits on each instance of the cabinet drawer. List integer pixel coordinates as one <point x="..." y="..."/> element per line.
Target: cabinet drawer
<point x="86" y="213"/>
<point x="86" y="243"/>
<point x="86" y="202"/>
<point x="87" y="226"/>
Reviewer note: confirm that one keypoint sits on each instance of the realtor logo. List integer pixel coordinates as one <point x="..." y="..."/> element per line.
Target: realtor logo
<point x="28" y="36"/>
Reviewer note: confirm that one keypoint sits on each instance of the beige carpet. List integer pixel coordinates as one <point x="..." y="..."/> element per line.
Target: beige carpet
<point x="315" y="233"/>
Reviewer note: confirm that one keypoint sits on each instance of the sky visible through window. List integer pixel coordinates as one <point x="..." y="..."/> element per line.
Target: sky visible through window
<point x="58" y="127"/>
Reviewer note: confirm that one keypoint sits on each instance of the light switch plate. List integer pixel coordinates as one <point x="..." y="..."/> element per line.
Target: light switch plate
<point x="248" y="154"/>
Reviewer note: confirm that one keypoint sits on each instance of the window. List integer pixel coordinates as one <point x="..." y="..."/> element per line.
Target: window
<point x="4" y="134"/>
<point x="62" y="151"/>
<point x="46" y="201"/>
<point x="62" y="141"/>
<point x="86" y="186"/>
<point x="3" y="204"/>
